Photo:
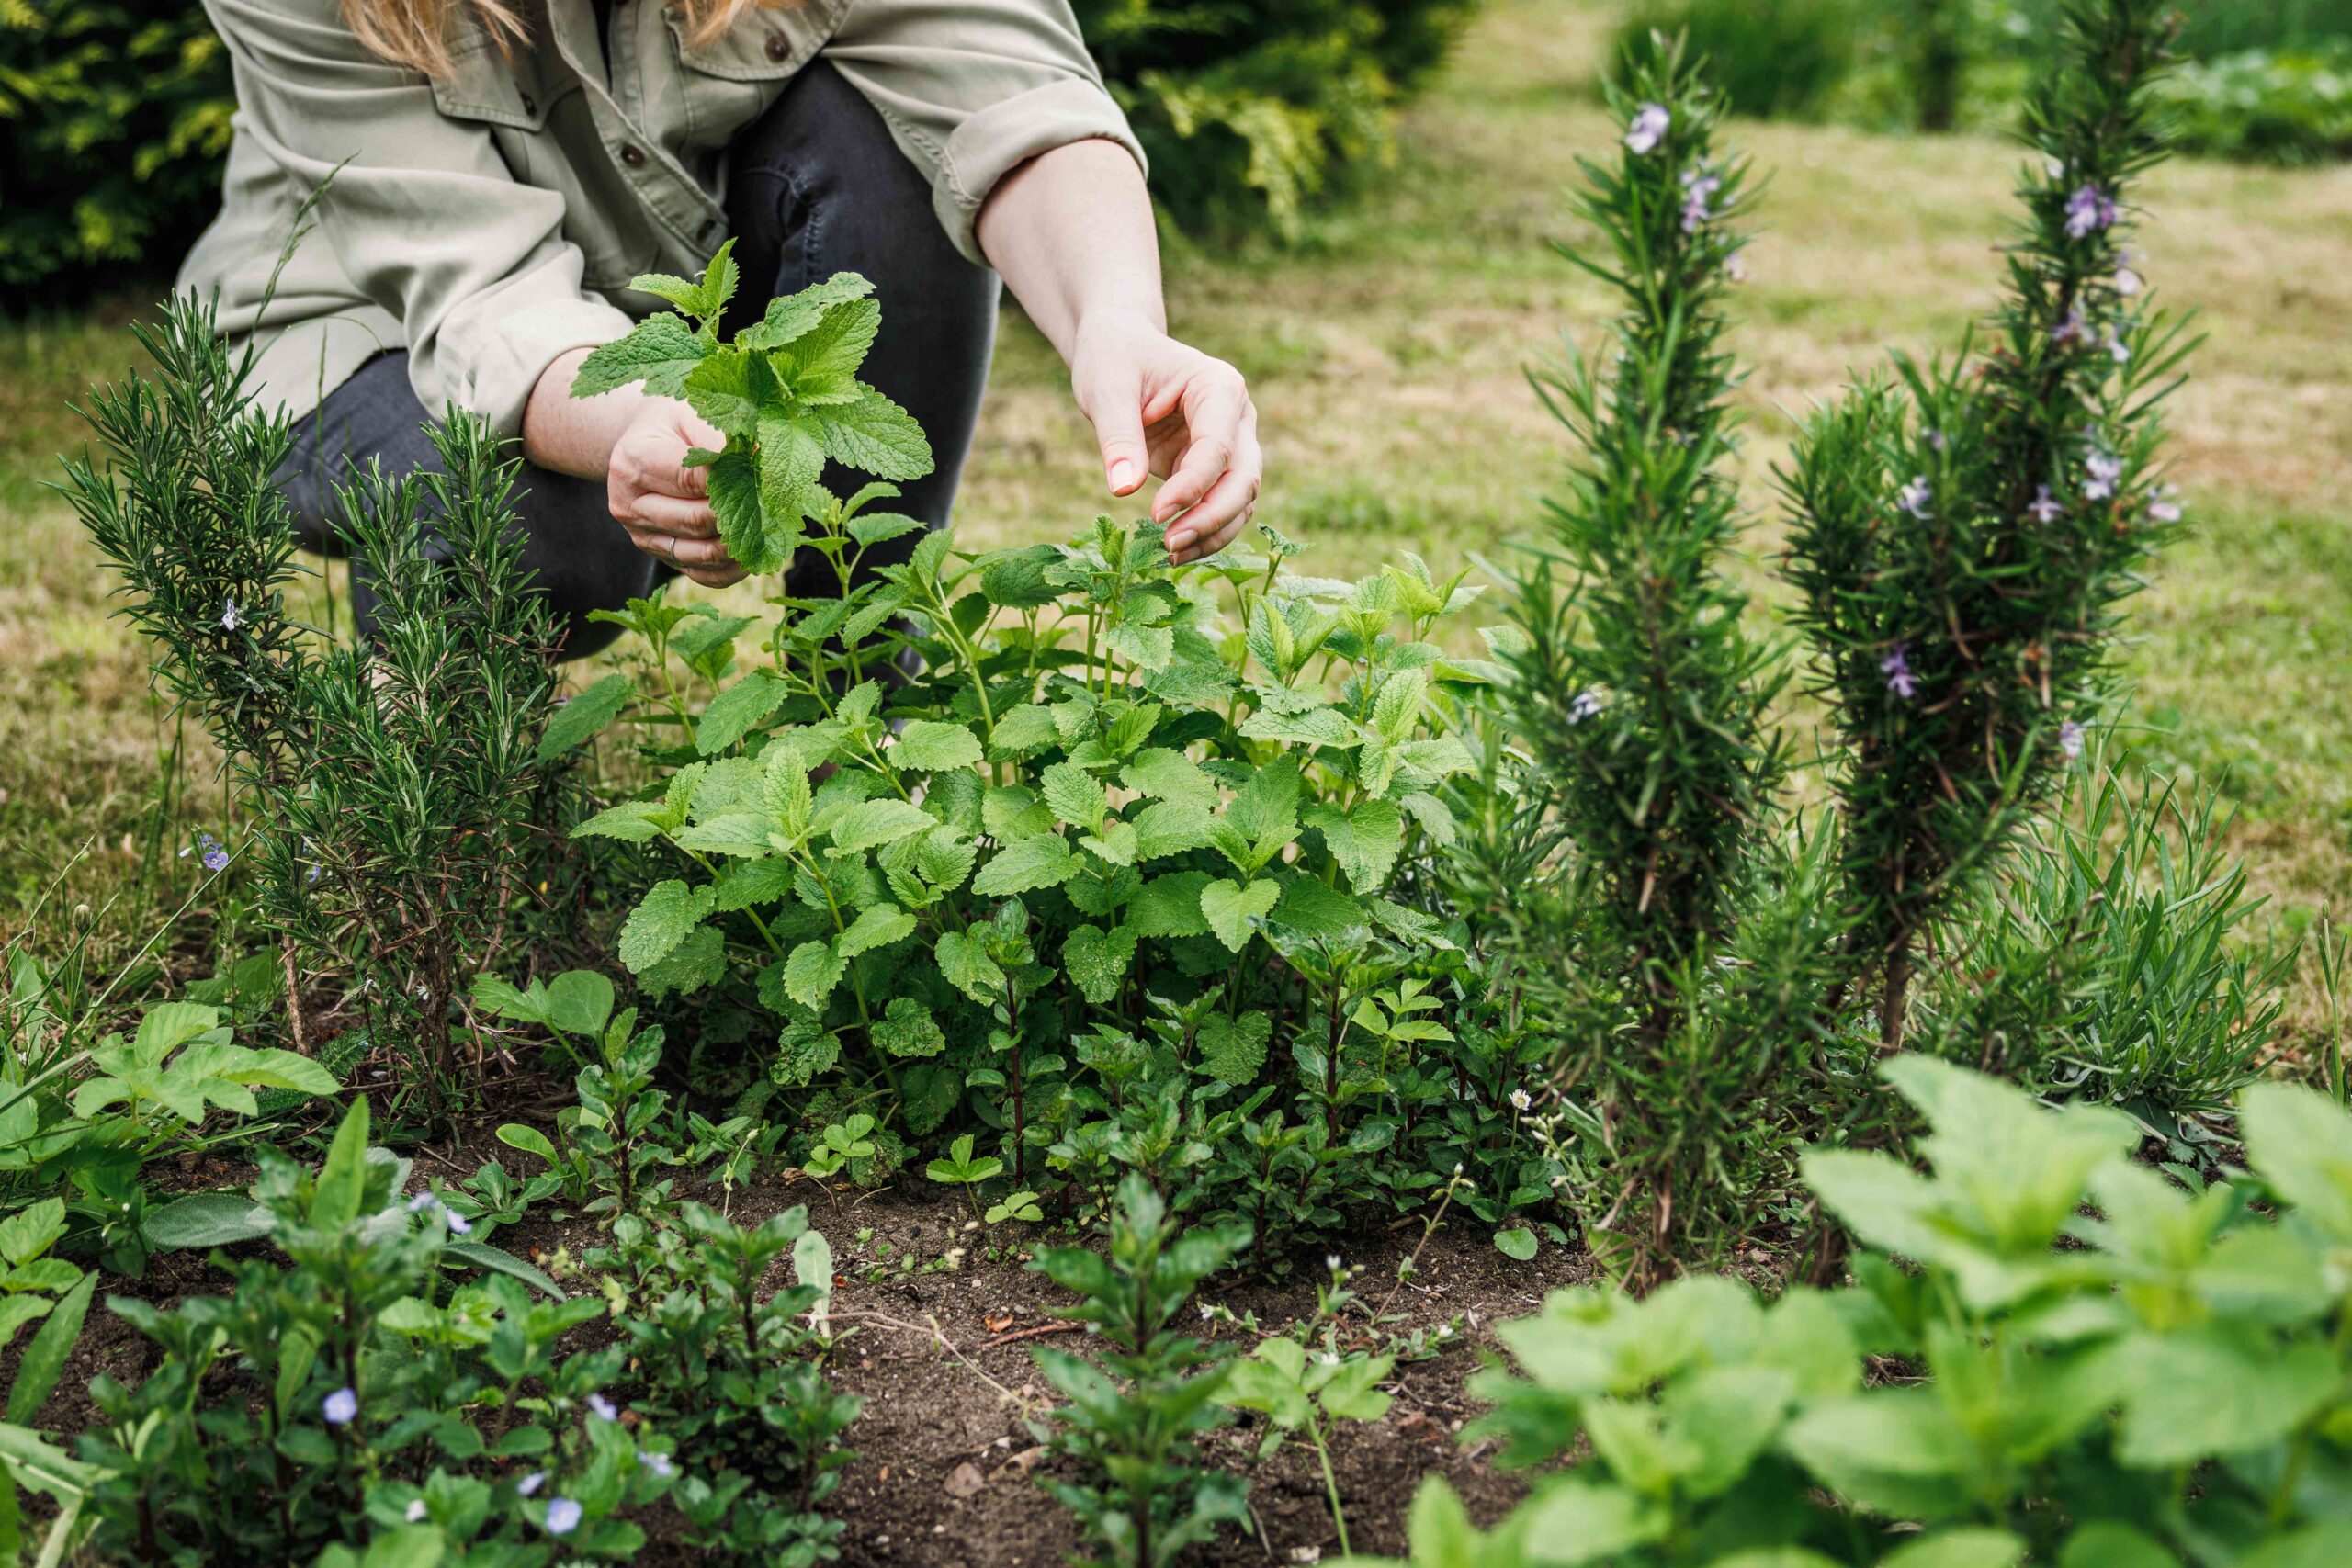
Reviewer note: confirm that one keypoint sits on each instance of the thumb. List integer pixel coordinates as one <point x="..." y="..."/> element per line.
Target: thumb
<point x="1118" y="430"/>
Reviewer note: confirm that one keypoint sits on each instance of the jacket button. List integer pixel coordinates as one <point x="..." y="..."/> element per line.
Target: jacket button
<point x="633" y="155"/>
<point x="778" y="47"/>
<point x="529" y="105"/>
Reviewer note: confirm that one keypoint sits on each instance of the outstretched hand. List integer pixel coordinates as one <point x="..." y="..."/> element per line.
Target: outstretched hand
<point x="1160" y="407"/>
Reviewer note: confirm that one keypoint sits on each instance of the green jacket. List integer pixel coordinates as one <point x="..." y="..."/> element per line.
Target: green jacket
<point x="489" y="220"/>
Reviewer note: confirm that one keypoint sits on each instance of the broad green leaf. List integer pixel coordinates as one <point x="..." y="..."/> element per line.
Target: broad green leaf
<point x="1233" y="1050"/>
<point x="812" y="972"/>
<point x="1580" y="1521"/>
<point x="968" y="967"/>
<point x="1161" y="773"/>
<point x="1170" y="905"/>
<point x="585" y="716"/>
<point x="632" y="822"/>
<point x="46" y="1352"/>
<point x="1229" y="908"/>
<point x="343" y="1176"/>
<point x="1265" y="810"/>
<point x="1170" y="828"/>
<point x="733" y="484"/>
<point x="747" y="703"/>
<point x="1025" y="866"/>
<point x="1097" y="960"/>
<point x="877" y="927"/>
<point x="791" y="316"/>
<point x="1074" y="796"/>
<point x="791" y="456"/>
<point x="873" y="823"/>
<point x="1365" y="840"/>
<point x="659" y="351"/>
<point x="929" y="746"/>
<point x="2327" y="1544"/>
<point x="906" y="1029"/>
<point x="2222" y="1390"/>
<point x="2302" y="1144"/>
<point x="1959" y="1549"/>
<point x="665" y="917"/>
<point x="1518" y="1242"/>
<point x="875" y="436"/>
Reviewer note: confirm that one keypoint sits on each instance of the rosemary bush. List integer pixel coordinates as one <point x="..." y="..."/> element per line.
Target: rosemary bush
<point x="390" y="783"/>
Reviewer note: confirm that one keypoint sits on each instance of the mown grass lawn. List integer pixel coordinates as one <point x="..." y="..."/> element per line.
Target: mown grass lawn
<point x="1386" y="352"/>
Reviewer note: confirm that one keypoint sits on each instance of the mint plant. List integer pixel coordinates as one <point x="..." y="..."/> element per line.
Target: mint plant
<point x="1131" y="1421"/>
<point x="1109" y="784"/>
<point x="785" y="393"/>
<point x="2168" y="1385"/>
<point x="1300" y="1389"/>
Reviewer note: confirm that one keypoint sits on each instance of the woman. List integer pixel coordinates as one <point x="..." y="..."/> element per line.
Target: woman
<point x="490" y="174"/>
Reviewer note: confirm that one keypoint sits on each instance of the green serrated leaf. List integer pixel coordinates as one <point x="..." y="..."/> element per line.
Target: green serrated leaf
<point x="660" y="351"/>
<point x="812" y="972"/>
<point x="586" y="716"/>
<point x="1233" y="1050"/>
<point x="876" y="437"/>
<point x="929" y="746"/>
<point x="1026" y="865"/>
<point x="665" y="917"/>
<point x="1229" y="908"/>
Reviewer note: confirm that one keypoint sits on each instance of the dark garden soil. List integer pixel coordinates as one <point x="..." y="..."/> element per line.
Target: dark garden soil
<point x="944" y="1326"/>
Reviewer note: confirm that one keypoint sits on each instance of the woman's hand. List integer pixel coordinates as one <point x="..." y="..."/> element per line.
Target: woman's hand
<point x="638" y="446"/>
<point x="665" y="505"/>
<point x="1161" y="407"/>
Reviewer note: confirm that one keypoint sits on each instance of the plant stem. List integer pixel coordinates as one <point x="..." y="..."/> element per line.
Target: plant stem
<point x="1331" y="1484"/>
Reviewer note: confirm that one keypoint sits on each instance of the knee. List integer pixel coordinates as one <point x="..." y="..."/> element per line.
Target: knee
<point x="832" y="155"/>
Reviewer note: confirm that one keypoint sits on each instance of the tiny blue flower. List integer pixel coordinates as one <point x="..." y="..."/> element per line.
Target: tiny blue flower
<point x="2070" y="739"/>
<point x="2067" y="330"/>
<point x="2044" y="508"/>
<point x="1918" y="497"/>
<point x="1586" y="706"/>
<point x="563" y="1515"/>
<point x="659" y="1464"/>
<point x="2163" y="507"/>
<point x="1701" y="188"/>
<point x="603" y="1409"/>
<point x="531" y="1482"/>
<point x="341" y="1407"/>
<point x="2105" y="469"/>
<point x="230" y="620"/>
<point x="1649" y="128"/>
<point x="2088" y="210"/>
<point x="1896" y="668"/>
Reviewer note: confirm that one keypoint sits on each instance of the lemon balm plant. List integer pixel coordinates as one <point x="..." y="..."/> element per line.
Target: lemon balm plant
<point x="1110" y="779"/>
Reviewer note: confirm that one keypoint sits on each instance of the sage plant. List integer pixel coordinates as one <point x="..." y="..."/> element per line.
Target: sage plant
<point x="1967" y="531"/>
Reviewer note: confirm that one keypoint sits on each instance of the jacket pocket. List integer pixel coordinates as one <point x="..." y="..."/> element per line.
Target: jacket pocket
<point x="481" y="84"/>
<point x="767" y="43"/>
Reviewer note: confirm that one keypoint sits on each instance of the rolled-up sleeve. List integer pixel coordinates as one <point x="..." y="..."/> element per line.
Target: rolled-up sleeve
<point x="972" y="91"/>
<point x="424" y="215"/>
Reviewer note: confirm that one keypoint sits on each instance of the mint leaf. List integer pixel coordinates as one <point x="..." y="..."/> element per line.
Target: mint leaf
<point x="1075" y="796"/>
<point x="665" y="917"/>
<point x="1097" y="960"/>
<point x="873" y="823"/>
<point x="734" y="487"/>
<point x="659" y="351"/>
<point x="794" y="315"/>
<point x="968" y="967"/>
<point x="1365" y="842"/>
<point x="1229" y="908"/>
<point x="877" y="927"/>
<point x="906" y="1029"/>
<point x="1234" y="1049"/>
<point x="929" y="746"/>
<point x="812" y="972"/>
<point x="829" y="354"/>
<point x="790" y="459"/>
<point x="876" y="437"/>
<point x="720" y="390"/>
<point x="1025" y="866"/>
<point x="1171" y="777"/>
<point x="736" y="710"/>
<point x="585" y="716"/>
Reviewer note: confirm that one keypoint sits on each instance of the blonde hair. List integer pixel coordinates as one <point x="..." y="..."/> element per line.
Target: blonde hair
<point x="416" y="33"/>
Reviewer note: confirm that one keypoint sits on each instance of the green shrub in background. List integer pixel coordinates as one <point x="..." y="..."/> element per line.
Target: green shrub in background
<point x="114" y="118"/>
<point x="1771" y="59"/>
<point x="2288" y="108"/>
<point x="1249" y="112"/>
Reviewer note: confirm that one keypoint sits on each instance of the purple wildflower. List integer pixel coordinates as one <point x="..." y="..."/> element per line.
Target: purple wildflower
<point x="531" y="1482"/>
<point x="2044" y="508"/>
<point x="2070" y="739"/>
<point x="230" y="620"/>
<point x="2069" y="330"/>
<point x="603" y="1409"/>
<point x="563" y="1515"/>
<point x="1736" y="266"/>
<point x="312" y="874"/>
<point x="1918" y="497"/>
<point x="2127" y="280"/>
<point x="1938" y="440"/>
<point x="1896" y="668"/>
<point x="1649" y="128"/>
<point x="1701" y="188"/>
<point x="659" y="1464"/>
<point x="2105" y="469"/>
<point x="2117" y="349"/>
<point x="2163" y="507"/>
<point x="1586" y="703"/>
<point x="341" y="1407"/>
<point x="2088" y="210"/>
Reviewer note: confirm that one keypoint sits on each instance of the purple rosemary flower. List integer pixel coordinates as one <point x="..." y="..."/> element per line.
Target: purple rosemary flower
<point x="2070" y="739"/>
<point x="1649" y="128"/>
<point x="2044" y="508"/>
<point x="603" y="1409"/>
<point x="2127" y="280"/>
<point x="1938" y="440"/>
<point x="1896" y="668"/>
<point x="659" y="1464"/>
<point x="563" y="1515"/>
<point x="2054" y="166"/>
<point x="2105" y="467"/>
<point x="2088" y="210"/>
<point x="1586" y="703"/>
<point x="341" y="1407"/>
<point x="2069" y="330"/>
<point x="2164" y="507"/>
<point x="230" y="620"/>
<point x="2117" y="349"/>
<point x="1918" y="498"/>
<point x="1736" y="266"/>
<point x="1699" y="187"/>
<point x="531" y="1482"/>
<point x="312" y="874"/>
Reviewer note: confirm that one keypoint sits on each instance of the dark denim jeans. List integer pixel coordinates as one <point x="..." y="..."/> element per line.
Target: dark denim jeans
<point x="815" y="187"/>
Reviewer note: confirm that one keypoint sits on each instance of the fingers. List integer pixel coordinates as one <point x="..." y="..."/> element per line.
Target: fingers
<point x="1216" y="407"/>
<point x="672" y="514"/>
<point x="1118" y="430"/>
<point x="1221" y="515"/>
